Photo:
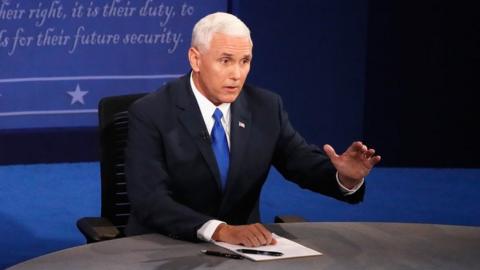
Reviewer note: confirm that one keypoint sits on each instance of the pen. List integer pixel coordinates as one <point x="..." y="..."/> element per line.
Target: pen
<point x="221" y="254"/>
<point x="260" y="252"/>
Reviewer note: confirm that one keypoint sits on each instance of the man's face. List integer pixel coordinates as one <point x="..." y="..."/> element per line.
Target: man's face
<point x="220" y="71"/>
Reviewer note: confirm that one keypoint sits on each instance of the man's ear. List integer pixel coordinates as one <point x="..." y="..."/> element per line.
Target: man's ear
<point x="194" y="59"/>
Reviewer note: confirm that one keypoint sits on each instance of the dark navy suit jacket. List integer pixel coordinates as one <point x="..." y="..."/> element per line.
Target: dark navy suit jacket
<point x="172" y="176"/>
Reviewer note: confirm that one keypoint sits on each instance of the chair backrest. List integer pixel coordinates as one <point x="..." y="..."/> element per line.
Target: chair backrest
<point x="113" y="123"/>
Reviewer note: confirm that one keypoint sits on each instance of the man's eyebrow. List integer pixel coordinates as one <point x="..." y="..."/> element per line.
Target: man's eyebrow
<point x="231" y="55"/>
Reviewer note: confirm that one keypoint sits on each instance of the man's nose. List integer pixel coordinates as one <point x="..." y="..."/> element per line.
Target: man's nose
<point x="236" y="72"/>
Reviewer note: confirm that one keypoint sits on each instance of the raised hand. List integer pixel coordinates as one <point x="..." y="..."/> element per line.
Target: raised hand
<point x="354" y="164"/>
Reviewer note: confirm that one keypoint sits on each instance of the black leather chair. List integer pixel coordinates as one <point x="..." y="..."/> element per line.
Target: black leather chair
<point x="113" y="123"/>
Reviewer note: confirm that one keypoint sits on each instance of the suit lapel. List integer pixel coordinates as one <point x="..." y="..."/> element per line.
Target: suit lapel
<point x="191" y="118"/>
<point x="240" y="127"/>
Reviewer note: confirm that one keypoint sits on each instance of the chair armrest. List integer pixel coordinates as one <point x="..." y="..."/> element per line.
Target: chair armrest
<point x="288" y="219"/>
<point x="96" y="229"/>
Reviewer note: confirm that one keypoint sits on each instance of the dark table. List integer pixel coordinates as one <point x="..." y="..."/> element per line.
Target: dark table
<point x="344" y="245"/>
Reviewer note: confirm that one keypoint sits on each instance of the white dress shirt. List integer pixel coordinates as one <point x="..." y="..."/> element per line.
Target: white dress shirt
<point x="207" y="108"/>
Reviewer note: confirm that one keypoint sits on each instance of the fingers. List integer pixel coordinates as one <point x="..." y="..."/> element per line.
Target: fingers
<point x="359" y="151"/>
<point x="369" y="153"/>
<point x="257" y="235"/>
<point x="374" y="160"/>
<point x="355" y="163"/>
<point x="253" y="235"/>
<point x="361" y="148"/>
<point x="266" y="236"/>
<point x="358" y="148"/>
<point x="252" y="238"/>
<point x="329" y="151"/>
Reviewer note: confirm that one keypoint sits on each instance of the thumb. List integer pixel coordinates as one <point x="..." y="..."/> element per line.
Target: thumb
<point x="329" y="151"/>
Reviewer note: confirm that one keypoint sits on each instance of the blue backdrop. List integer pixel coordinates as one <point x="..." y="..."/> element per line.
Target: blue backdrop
<point x="313" y="54"/>
<point x="58" y="58"/>
<point x="396" y="75"/>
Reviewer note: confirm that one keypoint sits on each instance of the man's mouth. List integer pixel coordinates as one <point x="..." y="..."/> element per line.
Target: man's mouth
<point x="231" y="88"/>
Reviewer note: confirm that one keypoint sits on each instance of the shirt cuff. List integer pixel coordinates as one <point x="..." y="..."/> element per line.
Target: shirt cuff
<point x="348" y="191"/>
<point x="205" y="232"/>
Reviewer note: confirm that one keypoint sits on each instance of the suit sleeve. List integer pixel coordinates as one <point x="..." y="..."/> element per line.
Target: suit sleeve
<point x="306" y="164"/>
<point x="152" y="205"/>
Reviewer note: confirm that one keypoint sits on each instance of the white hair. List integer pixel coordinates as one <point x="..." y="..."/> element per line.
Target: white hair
<point x="219" y="22"/>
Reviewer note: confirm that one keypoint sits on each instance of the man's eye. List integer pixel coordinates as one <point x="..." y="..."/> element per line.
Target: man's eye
<point x="224" y="60"/>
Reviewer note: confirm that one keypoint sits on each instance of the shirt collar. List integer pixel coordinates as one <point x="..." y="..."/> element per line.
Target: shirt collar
<point x="207" y="107"/>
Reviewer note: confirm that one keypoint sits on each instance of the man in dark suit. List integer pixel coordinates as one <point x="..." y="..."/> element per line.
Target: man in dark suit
<point x="200" y="148"/>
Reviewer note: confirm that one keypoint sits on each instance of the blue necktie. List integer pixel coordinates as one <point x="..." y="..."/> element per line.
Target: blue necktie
<point x="220" y="146"/>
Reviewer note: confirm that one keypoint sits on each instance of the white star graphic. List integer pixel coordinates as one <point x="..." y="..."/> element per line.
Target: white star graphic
<point x="77" y="95"/>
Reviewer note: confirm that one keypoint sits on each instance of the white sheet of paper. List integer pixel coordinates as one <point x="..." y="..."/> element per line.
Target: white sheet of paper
<point x="289" y="248"/>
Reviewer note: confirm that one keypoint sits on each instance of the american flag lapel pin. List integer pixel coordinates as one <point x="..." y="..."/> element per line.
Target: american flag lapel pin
<point x="241" y="124"/>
